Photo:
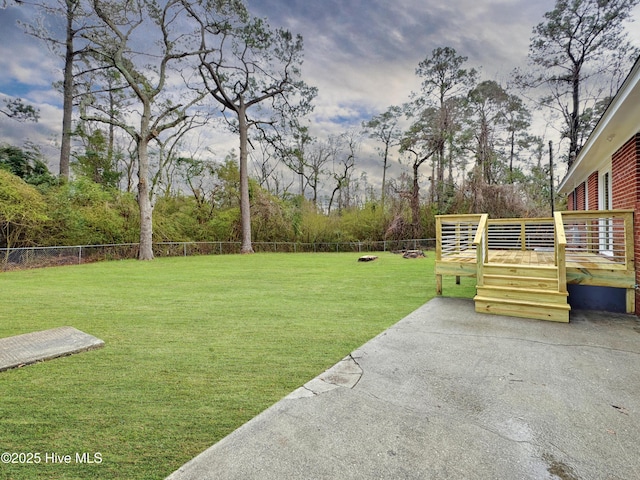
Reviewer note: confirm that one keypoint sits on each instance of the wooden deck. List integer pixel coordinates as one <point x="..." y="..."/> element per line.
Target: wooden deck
<point x="590" y="261"/>
<point x="523" y="266"/>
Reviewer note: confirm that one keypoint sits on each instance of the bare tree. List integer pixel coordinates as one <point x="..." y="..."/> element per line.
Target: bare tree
<point x="443" y="79"/>
<point x="576" y="52"/>
<point x="518" y="121"/>
<point x="316" y="159"/>
<point x="265" y="165"/>
<point x="77" y="22"/>
<point x="168" y="151"/>
<point x="295" y="157"/>
<point x="487" y="103"/>
<point x="157" y="108"/>
<point x="422" y="140"/>
<point x="344" y="151"/>
<point x="253" y="72"/>
<point x="385" y="128"/>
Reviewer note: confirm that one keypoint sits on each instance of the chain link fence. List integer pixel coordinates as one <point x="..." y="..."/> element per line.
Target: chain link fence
<point x="36" y="257"/>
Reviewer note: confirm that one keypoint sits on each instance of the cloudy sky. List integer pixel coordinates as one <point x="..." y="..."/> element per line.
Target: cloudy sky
<point x="361" y="54"/>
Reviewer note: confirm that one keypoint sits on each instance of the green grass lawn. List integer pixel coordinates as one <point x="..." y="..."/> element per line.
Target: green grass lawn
<point x="195" y="347"/>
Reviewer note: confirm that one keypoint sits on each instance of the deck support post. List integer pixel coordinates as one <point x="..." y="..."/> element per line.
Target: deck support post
<point x="631" y="300"/>
<point x="457" y="279"/>
<point x="438" y="284"/>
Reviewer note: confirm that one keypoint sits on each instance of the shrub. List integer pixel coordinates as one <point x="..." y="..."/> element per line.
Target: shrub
<point x="22" y="211"/>
<point x="85" y="213"/>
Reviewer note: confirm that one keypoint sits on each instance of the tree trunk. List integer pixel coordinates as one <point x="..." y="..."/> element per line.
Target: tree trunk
<point x="575" y="113"/>
<point x="67" y="95"/>
<point x="441" y="187"/>
<point x="245" y="204"/>
<point x="415" y="202"/>
<point x="512" y="153"/>
<point x="433" y="180"/>
<point x="450" y="163"/>
<point x="144" y="198"/>
<point x="315" y="194"/>
<point x="333" y="194"/>
<point x="483" y="149"/>
<point x="301" y="174"/>
<point x="111" y="139"/>
<point x="384" y="175"/>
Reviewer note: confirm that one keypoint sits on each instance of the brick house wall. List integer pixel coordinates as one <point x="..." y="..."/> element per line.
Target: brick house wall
<point x="625" y="192"/>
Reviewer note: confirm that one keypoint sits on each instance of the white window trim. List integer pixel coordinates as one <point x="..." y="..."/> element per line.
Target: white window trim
<point x="602" y="194"/>
<point x="604" y="203"/>
<point x="586" y="194"/>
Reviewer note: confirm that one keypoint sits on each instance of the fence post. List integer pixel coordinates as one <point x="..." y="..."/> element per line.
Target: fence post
<point x="80" y="254"/>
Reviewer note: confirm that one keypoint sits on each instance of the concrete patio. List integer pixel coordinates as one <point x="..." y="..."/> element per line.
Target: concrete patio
<point x="448" y="393"/>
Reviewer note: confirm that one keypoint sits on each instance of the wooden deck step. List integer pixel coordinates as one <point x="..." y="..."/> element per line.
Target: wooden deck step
<point x="539" y="283"/>
<point x="522" y="291"/>
<point x="540" y="271"/>
<point x="517" y="308"/>
<point x="523" y="294"/>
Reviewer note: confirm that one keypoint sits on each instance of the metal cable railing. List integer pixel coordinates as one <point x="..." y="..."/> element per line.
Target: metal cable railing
<point x="599" y="238"/>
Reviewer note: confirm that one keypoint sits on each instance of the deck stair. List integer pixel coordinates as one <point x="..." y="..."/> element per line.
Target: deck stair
<point x="522" y="291"/>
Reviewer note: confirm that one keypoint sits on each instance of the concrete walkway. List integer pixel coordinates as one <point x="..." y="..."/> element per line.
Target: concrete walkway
<point x="450" y="394"/>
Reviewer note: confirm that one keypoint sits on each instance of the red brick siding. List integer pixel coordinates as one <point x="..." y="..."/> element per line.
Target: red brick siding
<point x="570" y="197"/>
<point x="592" y="189"/>
<point x="625" y="191"/>
<point x="624" y="175"/>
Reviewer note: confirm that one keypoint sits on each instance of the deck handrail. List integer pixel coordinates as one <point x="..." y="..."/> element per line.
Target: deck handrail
<point x="482" y="225"/>
<point x="480" y="242"/>
<point x="560" y="241"/>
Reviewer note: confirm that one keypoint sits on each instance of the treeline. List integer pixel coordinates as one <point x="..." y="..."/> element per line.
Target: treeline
<point x="39" y="209"/>
<point x="82" y="212"/>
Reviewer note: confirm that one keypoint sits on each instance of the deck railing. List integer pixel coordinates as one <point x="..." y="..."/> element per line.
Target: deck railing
<point x="604" y="237"/>
<point x="455" y="236"/>
<point x="459" y="236"/>
<point x="521" y="234"/>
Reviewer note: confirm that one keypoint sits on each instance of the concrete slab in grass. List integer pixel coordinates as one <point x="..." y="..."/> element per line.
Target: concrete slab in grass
<point x="29" y="348"/>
